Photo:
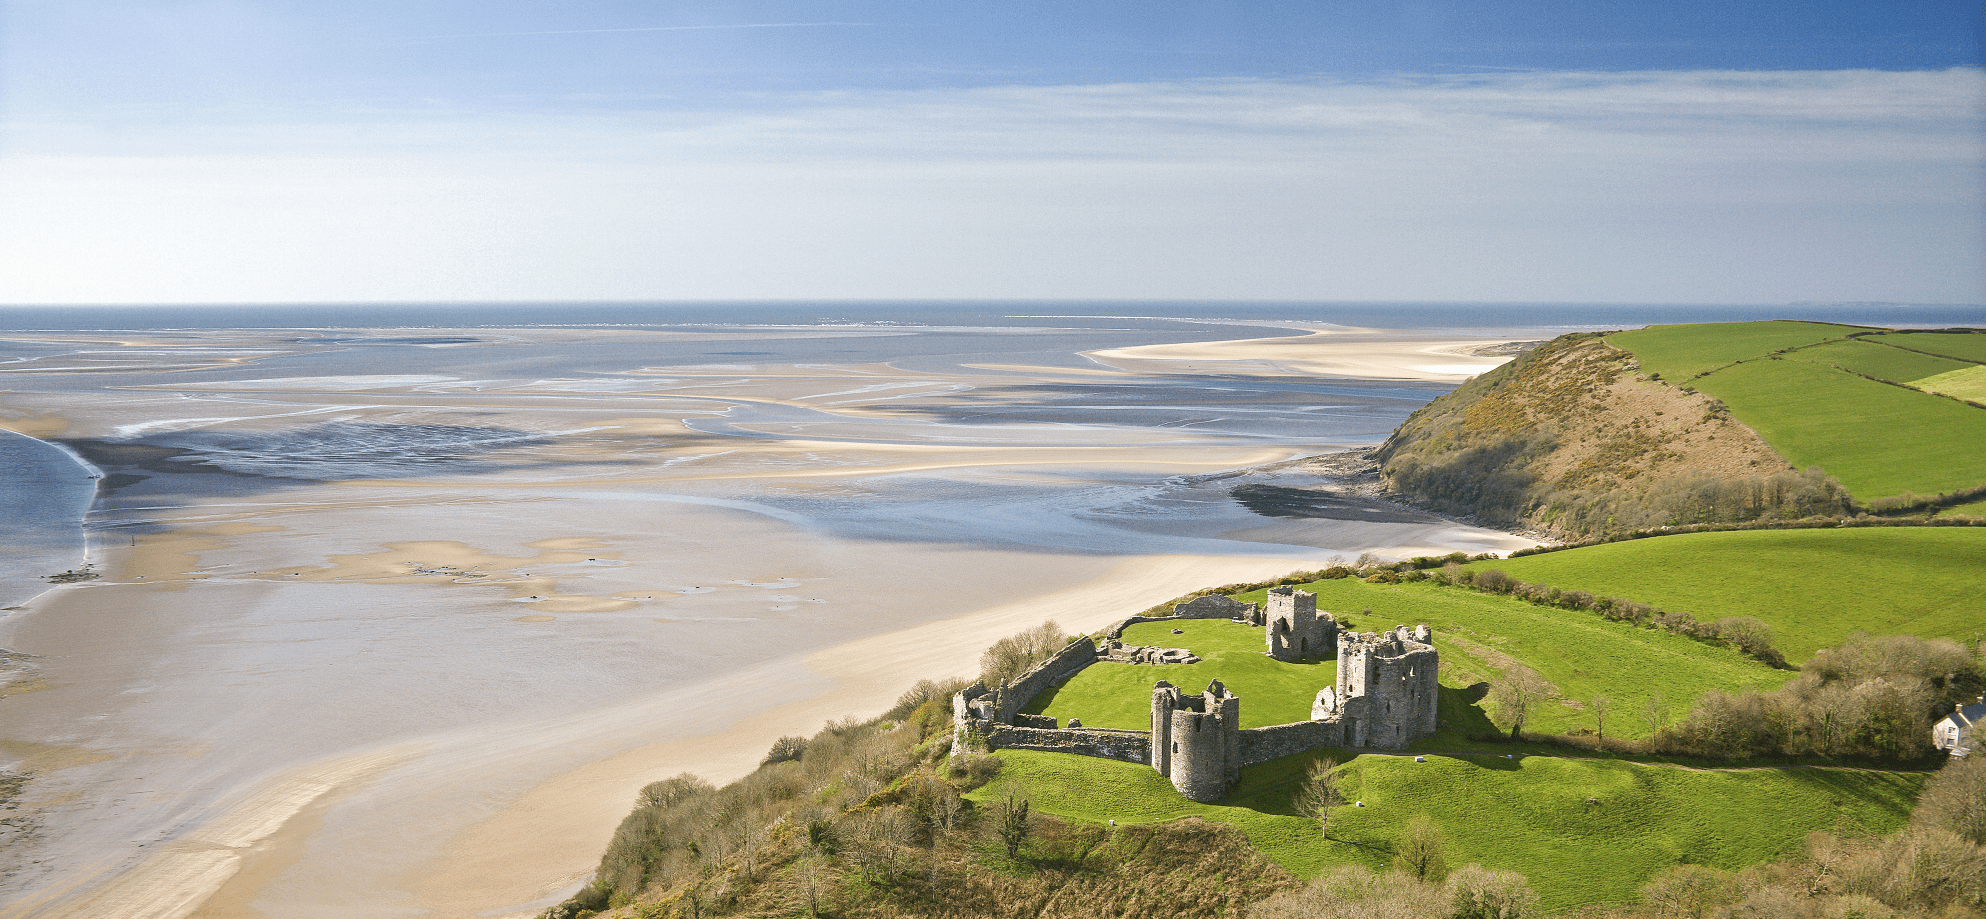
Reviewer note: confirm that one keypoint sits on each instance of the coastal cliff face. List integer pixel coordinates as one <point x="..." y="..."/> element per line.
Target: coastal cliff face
<point x="1573" y="441"/>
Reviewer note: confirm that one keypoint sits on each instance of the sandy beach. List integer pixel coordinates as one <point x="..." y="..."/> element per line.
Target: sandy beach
<point x="407" y="643"/>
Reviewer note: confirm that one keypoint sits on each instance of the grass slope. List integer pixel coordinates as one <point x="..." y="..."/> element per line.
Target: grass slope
<point x="1966" y="346"/>
<point x="1528" y="815"/>
<point x="1863" y="356"/>
<point x="1814" y="587"/>
<point x="1679" y="352"/>
<point x="1120" y="695"/>
<point x="1581" y="654"/>
<point x="1877" y="439"/>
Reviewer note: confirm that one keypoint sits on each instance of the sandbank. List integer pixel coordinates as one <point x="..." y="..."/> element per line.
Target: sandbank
<point x="1357" y="353"/>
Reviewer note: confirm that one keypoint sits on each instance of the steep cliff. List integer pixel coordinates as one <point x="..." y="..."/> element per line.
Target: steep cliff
<point x="1573" y="440"/>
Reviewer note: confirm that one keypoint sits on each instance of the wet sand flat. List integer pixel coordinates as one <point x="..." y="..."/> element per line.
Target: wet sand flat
<point x="400" y="629"/>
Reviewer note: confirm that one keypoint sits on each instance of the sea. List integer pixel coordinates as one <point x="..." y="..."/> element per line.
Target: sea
<point x="46" y="490"/>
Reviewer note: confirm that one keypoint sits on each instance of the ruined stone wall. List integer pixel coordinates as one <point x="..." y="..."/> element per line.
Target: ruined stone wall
<point x="1105" y="743"/>
<point x="1260" y="745"/>
<point x="1212" y="606"/>
<point x="1389" y="692"/>
<point x="1294" y="629"/>
<point x="1064" y="664"/>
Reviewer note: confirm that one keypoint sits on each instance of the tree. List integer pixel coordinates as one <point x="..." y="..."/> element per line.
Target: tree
<point x="1653" y="713"/>
<point x="785" y="749"/>
<point x="1419" y="849"/>
<point x="1687" y="891"/>
<point x="813" y="875"/>
<point x="1476" y="892"/>
<point x="1012" y="656"/>
<point x="1012" y="820"/>
<point x="1601" y="706"/>
<point x="1955" y="799"/>
<point x="674" y="791"/>
<point x="1514" y="695"/>
<point x="1319" y="793"/>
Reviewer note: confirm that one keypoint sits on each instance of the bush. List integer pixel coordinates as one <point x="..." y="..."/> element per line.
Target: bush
<point x="785" y="749"/>
<point x="976" y="769"/>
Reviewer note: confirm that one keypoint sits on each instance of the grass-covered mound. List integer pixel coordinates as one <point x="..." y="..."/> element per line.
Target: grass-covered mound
<point x="1579" y="654"/>
<point x="1108" y="695"/>
<point x="1814" y="588"/>
<point x="1529" y="814"/>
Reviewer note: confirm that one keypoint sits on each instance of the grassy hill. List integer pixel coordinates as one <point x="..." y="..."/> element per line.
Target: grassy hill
<point x="1846" y="404"/>
<point x="1591" y="435"/>
<point x="1529" y="814"/>
<point x="1813" y="587"/>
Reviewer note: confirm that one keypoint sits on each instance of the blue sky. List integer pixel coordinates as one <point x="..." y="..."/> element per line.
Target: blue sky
<point x="1674" y="152"/>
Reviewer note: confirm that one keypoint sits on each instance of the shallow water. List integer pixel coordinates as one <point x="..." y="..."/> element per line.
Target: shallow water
<point x="44" y="493"/>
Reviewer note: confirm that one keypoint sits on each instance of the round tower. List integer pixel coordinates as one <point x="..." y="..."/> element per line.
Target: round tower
<point x="1199" y="755"/>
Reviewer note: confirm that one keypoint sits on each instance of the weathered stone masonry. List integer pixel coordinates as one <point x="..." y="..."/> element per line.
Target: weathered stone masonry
<point x="1386" y="695"/>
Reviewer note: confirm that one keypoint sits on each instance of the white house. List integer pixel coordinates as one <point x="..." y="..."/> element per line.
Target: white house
<point x="1955" y="732"/>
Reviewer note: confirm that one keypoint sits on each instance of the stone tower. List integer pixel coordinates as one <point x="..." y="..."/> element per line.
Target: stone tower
<point x="1196" y="739"/>
<point x="1295" y="630"/>
<point x="1388" y="694"/>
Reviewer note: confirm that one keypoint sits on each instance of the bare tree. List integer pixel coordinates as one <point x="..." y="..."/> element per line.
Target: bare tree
<point x="1601" y="706"/>
<point x="1476" y="892"/>
<point x="1010" y="657"/>
<point x="1955" y="799"/>
<point x="1319" y="793"/>
<point x="946" y="805"/>
<point x="1419" y="849"/>
<point x="813" y="876"/>
<point x="1012" y="820"/>
<point x="1687" y="891"/>
<point x="1653" y="713"/>
<point x="1515" y="695"/>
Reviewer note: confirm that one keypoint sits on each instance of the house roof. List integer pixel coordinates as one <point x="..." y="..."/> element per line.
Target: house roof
<point x="1967" y="716"/>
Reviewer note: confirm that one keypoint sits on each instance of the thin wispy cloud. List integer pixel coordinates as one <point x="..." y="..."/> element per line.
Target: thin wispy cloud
<point x="695" y="28"/>
<point x="1708" y="186"/>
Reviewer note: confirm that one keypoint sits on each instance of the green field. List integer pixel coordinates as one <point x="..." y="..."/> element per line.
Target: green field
<point x="1863" y="356"/>
<point x="1968" y="383"/>
<point x="1975" y="509"/>
<point x="1814" y="587"/>
<point x="1679" y="352"/>
<point x="1968" y="346"/>
<point x="1877" y="439"/>
<point x="1120" y="695"/>
<point x="1528" y="814"/>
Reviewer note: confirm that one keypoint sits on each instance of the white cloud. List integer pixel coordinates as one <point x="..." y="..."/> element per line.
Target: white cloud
<point x="1705" y="187"/>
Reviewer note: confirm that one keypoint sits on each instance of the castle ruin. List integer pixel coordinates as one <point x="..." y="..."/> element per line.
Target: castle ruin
<point x="1386" y="696"/>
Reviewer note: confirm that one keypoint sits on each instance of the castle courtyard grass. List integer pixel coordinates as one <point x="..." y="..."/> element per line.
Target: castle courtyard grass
<point x="1579" y="653"/>
<point x="1582" y="831"/>
<point x="1813" y="587"/>
<point x="1112" y="695"/>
